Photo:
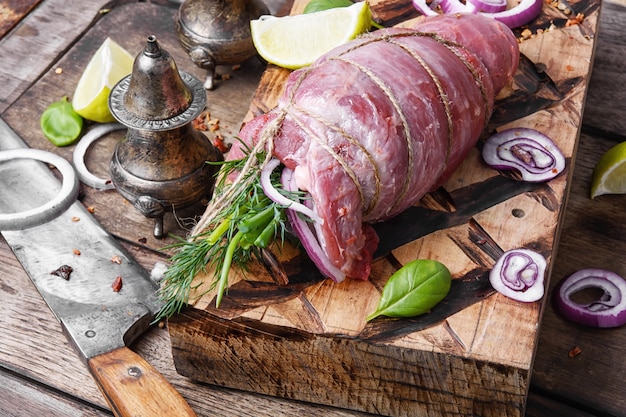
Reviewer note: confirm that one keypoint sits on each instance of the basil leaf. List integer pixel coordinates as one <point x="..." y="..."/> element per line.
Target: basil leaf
<point x="60" y="123"/>
<point x="414" y="289"/>
<point x="319" y="5"/>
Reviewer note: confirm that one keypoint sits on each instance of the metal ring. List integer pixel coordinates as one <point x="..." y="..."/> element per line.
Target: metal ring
<point x="53" y="208"/>
<point x="85" y="176"/>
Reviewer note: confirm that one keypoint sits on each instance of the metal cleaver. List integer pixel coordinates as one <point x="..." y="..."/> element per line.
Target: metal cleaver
<point x="99" y="321"/>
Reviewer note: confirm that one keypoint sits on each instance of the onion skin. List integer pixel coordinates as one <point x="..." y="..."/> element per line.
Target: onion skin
<point x="519" y="274"/>
<point x="534" y="155"/>
<point x="609" y="311"/>
<point x="516" y="16"/>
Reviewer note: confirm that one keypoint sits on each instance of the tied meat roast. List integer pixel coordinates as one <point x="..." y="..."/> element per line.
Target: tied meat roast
<point x="375" y="124"/>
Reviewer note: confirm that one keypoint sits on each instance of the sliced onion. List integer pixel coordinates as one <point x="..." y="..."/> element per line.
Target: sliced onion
<point x="519" y="274"/>
<point x="516" y="16"/>
<point x="608" y="311"/>
<point x="273" y="194"/>
<point x="424" y="8"/>
<point x="78" y="158"/>
<point x="534" y="155"/>
<point x="488" y="6"/>
<point x="309" y="241"/>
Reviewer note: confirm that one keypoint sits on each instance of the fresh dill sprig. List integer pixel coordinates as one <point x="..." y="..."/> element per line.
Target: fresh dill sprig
<point x="241" y="225"/>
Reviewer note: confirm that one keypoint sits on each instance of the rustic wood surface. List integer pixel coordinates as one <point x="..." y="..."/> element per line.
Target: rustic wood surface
<point x="476" y="361"/>
<point x="45" y="377"/>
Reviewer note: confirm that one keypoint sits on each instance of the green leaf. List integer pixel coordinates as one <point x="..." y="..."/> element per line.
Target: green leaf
<point x="60" y="123"/>
<point x="414" y="289"/>
<point x="319" y="5"/>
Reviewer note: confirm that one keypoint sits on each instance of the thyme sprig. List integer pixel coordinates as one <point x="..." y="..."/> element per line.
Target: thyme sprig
<point x="239" y="222"/>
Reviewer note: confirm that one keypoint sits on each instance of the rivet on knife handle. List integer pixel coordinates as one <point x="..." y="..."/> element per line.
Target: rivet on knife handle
<point x="132" y="387"/>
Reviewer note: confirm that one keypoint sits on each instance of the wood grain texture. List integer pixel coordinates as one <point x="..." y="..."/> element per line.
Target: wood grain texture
<point x="26" y="399"/>
<point x="477" y="361"/>
<point x="133" y="387"/>
<point x="41" y="34"/>
<point x="12" y="11"/>
<point x="44" y="367"/>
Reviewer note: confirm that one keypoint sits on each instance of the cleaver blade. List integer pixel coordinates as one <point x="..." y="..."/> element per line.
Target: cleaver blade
<point x="99" y="322"/>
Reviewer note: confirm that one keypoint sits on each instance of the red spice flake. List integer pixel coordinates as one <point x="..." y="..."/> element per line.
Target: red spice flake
<point x="573" y="352"/>
<point x="64" y="271"/>
<point x="76" y="251"/>
<point x="220" y="144"/>
<point x="236" y="67"/>
<point x="569" y="68"/>
<point x="117" y="284"/>
<point x="75" y="219"/>
<point x="116" y="259"/>
<point x="91" y="209"/>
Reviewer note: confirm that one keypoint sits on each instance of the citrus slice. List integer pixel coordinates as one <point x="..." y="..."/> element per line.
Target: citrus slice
<point x="609" y="175"/>
<point x="109" y="64"/>
<point x="296" y="41"/>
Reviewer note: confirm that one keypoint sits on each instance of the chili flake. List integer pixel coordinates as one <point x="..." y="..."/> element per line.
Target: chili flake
<point x="117" y="284"/>
<point x="573" y="352"/>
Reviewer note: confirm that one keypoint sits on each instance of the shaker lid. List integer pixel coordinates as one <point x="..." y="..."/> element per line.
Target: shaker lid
<point x="156" y="95"/>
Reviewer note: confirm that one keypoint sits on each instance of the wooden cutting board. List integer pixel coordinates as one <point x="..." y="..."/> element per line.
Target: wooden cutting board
<point x="308" y="340"/>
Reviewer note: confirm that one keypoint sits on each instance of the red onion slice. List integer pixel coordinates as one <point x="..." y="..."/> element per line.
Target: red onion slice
<point x="519" y="274"/>
<point x="534" y="155"/>
<point x="608" y="311"/>
<point x="273" y="194"/>
<point x="516" y="16"/>
<point x="309" y="241"/>
<point x="488" y="6"/>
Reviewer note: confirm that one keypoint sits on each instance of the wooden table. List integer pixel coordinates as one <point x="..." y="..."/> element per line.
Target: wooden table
<point x="41" y="375"/>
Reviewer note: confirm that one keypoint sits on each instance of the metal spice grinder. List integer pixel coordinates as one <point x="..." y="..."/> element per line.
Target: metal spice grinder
<point x="161" y="164"/>
<point x="217" y="32"/>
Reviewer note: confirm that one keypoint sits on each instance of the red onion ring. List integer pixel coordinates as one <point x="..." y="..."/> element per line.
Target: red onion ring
<point x="534" y="155"/>
<point x="487" y="6"/>
<point x="608" y="311"/>
<point x="516" y="16"/>
<point x="273" y="194"/>
<point x="519" y="274"/>
<point x="309" y="241"/>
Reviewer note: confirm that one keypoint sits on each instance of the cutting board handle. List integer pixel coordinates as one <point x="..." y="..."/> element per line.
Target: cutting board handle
<point x="133" y="387"/>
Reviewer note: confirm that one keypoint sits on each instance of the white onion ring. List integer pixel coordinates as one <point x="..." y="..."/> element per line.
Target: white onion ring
<point x="531" y="153"/>
<point x="306" y="236"/>
<point x="273" y="194"/>
<point x="519" y="274"/>
<point x="53" y="208"/>
<point x="78" y="158"/>
<point x="608" y="311"/>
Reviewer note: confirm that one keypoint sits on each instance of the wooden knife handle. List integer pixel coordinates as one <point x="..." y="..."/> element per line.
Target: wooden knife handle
<point x="132" y="386"/>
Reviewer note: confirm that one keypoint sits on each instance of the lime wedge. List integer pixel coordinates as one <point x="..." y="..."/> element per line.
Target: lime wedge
<point x="609" y="175"/>
<point x="296" y="41"/>
<point x="109" y="64"/>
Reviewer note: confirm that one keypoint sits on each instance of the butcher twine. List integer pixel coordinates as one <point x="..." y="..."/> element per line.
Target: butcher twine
<point x="266" y="140"/>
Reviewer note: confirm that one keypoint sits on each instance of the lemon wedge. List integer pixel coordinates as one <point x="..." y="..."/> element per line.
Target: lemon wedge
<point x="109" y="64"/>
<point x="296" y="41"/>
<point x="609" y="175"/>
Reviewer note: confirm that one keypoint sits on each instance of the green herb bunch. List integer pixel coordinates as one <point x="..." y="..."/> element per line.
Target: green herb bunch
<point x="235" y="233"/>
